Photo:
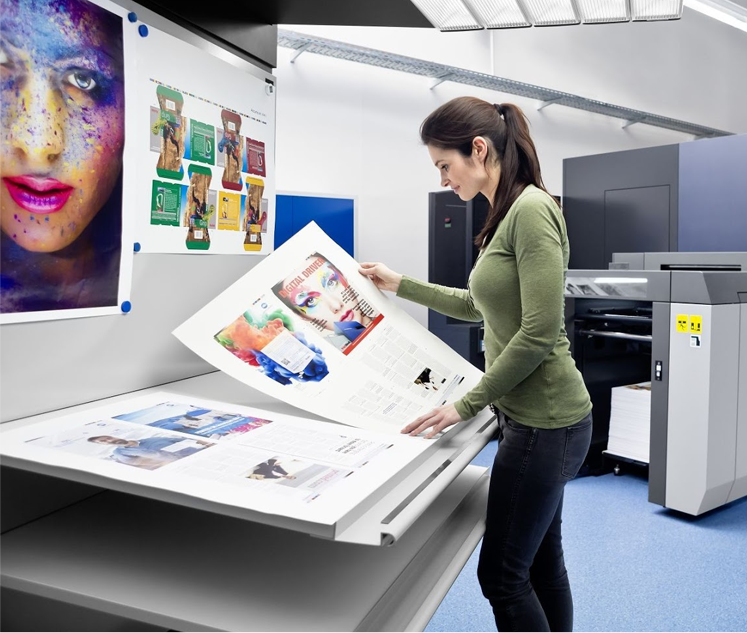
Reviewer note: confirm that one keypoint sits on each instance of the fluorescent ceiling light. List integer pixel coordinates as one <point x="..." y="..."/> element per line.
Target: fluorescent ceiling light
<point x="656" y="9"/>
<point x="448" y="15"/>
<point x="721" y="10"/>
<point x="551" y="12"/>
<point x="498" y="14"/>
<point x="600" y="11"/>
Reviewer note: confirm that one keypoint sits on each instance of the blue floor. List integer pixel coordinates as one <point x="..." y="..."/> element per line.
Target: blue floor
<point x="633" y="565"/>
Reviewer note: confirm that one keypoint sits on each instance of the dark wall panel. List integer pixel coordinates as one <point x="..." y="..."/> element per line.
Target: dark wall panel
<point x="713" y="194"/>
<point x="636" y="220"/>
<point x="587" y="178"/>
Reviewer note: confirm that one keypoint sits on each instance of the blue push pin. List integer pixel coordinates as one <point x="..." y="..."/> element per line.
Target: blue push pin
<point x="132" y="16"/>
<point x="126" y="306"/>
<point x="136" y="247"/>
<point x="143" y="30"/>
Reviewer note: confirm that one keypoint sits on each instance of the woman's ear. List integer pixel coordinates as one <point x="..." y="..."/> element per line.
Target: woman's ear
<point x="479" y="148"/>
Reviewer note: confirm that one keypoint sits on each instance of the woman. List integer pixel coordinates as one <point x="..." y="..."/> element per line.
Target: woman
<point x="62" y="103"/>
<point x="516" y="288"/>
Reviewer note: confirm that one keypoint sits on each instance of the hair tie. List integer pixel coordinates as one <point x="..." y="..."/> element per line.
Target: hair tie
<point x="498" y="108"/>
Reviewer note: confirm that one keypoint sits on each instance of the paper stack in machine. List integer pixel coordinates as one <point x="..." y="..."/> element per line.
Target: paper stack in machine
<point x="630" y="422"/>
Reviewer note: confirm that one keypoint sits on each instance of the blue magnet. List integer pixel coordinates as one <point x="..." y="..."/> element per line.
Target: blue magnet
<point x="126" y="306"/>
<point x="143" y="30"/>
<point x="136" y="247"/>
<point x="132" y="16"/>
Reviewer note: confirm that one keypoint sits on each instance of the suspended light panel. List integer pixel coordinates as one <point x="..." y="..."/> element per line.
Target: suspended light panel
<point x="467" y="15"/>
<point x="551" y="12"/>
<point x="603" y="11"/>
<point x="448" y="15"/>
<point x="656" y="9"/>
<point x="498" y="14"/>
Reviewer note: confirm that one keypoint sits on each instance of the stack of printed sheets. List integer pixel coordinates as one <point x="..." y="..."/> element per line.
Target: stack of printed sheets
<point x="630" y="422"/>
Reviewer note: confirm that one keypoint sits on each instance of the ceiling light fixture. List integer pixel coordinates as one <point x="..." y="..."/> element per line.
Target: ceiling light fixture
<point x="448" y="15"/>
<point x="656" y="9"/>
<point x="551" y="12"/>
<point x="603" y="11"/>
<point x="469" y="15"/>
<point x="498" y="14"/>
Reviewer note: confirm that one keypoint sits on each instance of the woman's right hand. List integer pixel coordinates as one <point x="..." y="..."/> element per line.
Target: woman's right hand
<point x="381" y="275"/>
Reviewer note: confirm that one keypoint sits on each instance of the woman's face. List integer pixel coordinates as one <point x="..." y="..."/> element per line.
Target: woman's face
<point x="62" y="94"/>
<point x="321" y="297"/>
<point x="466" y="176"/>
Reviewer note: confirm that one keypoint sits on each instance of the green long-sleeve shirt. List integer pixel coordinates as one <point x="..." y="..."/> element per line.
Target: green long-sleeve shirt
<point x="516" y="288"/>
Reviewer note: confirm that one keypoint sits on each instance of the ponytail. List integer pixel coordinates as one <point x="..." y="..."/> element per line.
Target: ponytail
<point x="456" y="123"/>
<point x="519" y="167"/>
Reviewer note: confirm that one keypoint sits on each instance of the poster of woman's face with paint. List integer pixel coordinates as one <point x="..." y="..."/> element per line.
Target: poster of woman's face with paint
<point x="62" y="104"/>
<point x="319" y="294"/>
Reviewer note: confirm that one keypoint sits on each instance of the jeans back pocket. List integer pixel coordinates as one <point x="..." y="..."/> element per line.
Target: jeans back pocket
<point x="577" y="441"/>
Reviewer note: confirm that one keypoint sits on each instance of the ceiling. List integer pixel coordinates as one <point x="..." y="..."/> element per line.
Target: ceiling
<point x="251" y="26"/>
<point x="318" y="12"/>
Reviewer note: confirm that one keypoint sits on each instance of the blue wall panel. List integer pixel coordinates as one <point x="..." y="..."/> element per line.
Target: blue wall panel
<point x="333" y="215"/>
<point x="283" y="219"/>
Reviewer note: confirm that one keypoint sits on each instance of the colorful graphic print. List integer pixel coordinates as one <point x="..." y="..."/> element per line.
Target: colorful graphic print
<point x="194" y="420"/>
<point x="63" y="112"/>
<point x="321" y="295"/>
<point x="172" y="128"/>
<point x="267" y="341"/>
<point x="231" y="145"/>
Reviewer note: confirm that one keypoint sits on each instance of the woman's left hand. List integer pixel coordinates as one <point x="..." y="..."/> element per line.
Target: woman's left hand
<point x="439" y="419"/>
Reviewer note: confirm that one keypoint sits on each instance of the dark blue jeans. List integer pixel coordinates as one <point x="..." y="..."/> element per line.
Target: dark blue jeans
<point x="521" y="569"/>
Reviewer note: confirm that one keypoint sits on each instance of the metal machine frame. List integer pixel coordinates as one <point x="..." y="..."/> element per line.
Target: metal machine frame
<point x="698" y="336"/>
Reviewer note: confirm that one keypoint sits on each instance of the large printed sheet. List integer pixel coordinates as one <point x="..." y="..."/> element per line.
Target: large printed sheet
<point x="305" y="327"/>
<point x="267" y="462"/>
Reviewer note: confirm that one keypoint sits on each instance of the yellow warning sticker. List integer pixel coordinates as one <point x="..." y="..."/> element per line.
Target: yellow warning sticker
<point x="696" y="323"/>
<point x="683" y="323"/>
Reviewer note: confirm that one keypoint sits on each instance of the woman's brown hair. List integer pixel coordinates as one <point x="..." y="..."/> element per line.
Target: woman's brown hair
<point x="456" y="123"/>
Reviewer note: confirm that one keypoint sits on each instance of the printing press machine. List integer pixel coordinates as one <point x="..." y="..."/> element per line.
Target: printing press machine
<point x="680" y="320"/>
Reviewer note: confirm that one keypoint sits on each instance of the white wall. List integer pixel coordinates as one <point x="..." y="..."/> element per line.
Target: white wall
<point x="350" y="129"/>
<point x="693" y="69"/>
<point x="470" y="50"/>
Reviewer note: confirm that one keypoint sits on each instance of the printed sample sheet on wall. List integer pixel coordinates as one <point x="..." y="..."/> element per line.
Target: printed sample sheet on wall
<point x="305" y="327"/>
<point x="205" y="145"/>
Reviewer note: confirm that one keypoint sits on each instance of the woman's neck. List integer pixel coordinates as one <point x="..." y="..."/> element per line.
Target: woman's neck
<point x="491" y="186"/>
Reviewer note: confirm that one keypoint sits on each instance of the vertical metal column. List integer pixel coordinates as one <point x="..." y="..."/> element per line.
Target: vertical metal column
<point x="657" y="470"/>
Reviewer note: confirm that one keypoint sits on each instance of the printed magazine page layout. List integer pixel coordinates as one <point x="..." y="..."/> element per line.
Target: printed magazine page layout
<point x="267" y="462"/>
<point x="306" y="328"/>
